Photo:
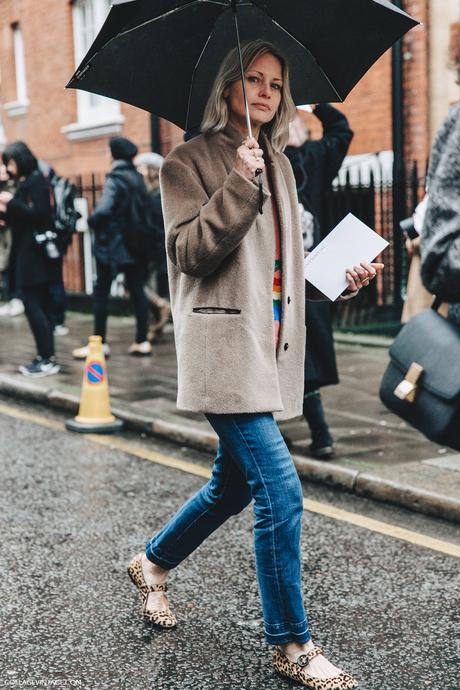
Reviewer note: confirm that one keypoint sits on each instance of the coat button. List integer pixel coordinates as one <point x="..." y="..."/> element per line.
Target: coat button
<point x="286" y="346"/>
<point x="289" y="300"/>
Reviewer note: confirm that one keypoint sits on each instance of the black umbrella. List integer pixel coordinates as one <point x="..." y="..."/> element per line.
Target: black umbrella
<point x="163" y="55"/>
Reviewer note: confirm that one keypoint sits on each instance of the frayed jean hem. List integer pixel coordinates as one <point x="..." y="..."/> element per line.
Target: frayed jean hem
<point x="286" y="637"/>
<point x="282" y="633"/>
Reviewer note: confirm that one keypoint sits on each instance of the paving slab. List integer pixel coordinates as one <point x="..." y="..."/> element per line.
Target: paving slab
<point x="369" y="439"/>
<point x="448" y="462"/>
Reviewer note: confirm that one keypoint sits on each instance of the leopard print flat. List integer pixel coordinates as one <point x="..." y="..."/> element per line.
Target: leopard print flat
<point x="297" y="671"/>
<point x="164" y="619"/>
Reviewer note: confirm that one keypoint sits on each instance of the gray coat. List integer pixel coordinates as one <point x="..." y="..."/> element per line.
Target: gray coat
<point x="220" y="258"/>
<point x="441" y="232"/>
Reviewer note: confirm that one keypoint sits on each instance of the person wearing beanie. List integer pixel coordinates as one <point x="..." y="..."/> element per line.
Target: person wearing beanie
<point x="122" y="149"/>
<point x="112" y="255"/>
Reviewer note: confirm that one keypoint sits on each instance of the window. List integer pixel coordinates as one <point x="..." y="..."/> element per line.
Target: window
<point x="96" y="115"/>
<point x="20" y="64"/>
<point x="19" y="106"/>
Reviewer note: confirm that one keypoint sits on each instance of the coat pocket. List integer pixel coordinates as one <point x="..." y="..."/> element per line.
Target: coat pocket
<point x="215" y="310"/>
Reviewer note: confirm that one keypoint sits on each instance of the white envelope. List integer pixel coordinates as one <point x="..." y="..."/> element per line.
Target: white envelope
<point x="349" y="243"/>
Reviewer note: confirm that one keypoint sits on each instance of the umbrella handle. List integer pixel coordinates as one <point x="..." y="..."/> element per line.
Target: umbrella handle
<point x="261" y="192"/>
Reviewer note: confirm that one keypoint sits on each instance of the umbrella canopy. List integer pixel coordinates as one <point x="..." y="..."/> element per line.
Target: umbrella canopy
<point x="163" y="56"/>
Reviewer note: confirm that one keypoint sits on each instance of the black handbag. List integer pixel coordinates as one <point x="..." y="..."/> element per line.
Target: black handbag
<point x="422" y="382"/>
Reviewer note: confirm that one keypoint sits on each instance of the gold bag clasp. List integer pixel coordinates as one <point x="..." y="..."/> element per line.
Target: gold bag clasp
<point x="407" y="389"/>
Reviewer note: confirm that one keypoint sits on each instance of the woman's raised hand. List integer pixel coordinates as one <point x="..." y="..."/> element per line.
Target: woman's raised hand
<point x="360" y="276"/>
<point x="5" y="198"/>
<point x="249" y="159"/>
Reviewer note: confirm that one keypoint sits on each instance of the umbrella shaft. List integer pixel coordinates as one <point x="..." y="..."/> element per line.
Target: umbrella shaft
<point x="246" y="107"/>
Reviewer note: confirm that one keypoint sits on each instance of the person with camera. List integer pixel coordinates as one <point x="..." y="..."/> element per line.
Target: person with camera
<point x="28" y="213"/>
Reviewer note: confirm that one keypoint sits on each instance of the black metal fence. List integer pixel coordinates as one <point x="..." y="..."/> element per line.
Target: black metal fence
<point x="88" y="187"/>
<point x="373" y="201"/>
<point x="370" y="196"/>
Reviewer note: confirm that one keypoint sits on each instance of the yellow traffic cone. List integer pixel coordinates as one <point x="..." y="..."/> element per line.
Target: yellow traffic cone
<point x="94" y="415"/>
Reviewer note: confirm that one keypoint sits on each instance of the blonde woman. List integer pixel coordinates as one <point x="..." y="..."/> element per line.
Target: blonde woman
<point x="237" y="295"/>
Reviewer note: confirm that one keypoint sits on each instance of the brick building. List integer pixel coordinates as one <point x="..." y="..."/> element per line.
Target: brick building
<point x="41" y="42"/>
<point x="429" y="88"/>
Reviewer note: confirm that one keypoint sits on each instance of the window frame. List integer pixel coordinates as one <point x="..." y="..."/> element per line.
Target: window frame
<point x="19" y="63"/>
<point x="91" y="110"/>
<point x="20" y="105"/>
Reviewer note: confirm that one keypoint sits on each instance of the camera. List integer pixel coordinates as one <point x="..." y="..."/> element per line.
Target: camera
<point x="407" y="226"/>
<point x="47" y="240"/>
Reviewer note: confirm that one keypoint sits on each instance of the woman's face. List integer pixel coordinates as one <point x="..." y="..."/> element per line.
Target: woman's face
<point x="264" y="85"/>
<point x="12" y="168"/>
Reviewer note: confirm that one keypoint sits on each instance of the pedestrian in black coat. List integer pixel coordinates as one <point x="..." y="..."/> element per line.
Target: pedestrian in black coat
<point x="57" y="291"/>
<point x="315" y="164"/>
<point x="29" y="213"/>
<point x="112" y="255"/>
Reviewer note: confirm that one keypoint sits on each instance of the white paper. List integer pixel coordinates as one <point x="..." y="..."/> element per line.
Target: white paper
<point x="349" y="243"/>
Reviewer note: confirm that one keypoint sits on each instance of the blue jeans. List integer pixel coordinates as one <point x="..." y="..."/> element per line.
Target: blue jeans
<point x="252" y="462"/>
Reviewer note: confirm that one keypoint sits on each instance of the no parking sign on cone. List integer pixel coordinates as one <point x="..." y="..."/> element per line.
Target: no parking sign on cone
<point x="94" y="415"/>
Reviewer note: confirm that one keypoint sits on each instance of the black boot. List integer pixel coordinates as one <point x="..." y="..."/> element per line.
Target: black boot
<point x="322" y="444"/>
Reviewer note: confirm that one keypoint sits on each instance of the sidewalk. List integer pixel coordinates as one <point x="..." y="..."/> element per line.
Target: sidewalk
<point x="378" y="455"/>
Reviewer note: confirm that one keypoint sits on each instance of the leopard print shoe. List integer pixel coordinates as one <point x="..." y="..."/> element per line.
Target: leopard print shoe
<point x="164" y="619"/>
<point x="297" y="671"/>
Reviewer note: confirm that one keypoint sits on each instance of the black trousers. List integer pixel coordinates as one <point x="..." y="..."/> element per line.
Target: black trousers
<point x="135" y="280"/>
<point x="12" y="290"/>
<point x="38" y="307"/>
<point x="57" y="293"/>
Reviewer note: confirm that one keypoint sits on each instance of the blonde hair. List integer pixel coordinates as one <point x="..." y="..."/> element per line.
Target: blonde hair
<point x="216" y="114"/>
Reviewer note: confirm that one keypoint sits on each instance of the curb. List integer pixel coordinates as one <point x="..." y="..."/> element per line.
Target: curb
<point x="363" y="339"/>
<point x="378" y="489"/>
<point x="310" y="470"/>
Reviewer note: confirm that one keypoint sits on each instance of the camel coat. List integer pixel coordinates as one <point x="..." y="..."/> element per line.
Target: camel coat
<point x="220" y="264"/>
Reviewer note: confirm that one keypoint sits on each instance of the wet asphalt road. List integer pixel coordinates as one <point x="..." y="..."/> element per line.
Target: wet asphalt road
<point x="72" y="515"/>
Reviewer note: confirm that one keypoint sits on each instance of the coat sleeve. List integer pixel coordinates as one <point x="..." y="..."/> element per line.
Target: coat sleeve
<point x="106" y="205"/>
<point x="440" y="245"/>
<point x="35" y="211"/>
<point x="201" y="231"/>
<point x="332" y="148"/>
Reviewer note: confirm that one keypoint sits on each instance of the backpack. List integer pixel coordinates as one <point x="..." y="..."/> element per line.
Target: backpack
<point x="139" y="223"/>
<point x="65" y="215"/>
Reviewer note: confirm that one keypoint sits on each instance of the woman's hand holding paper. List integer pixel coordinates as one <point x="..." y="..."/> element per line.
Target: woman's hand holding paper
<point x="360" y="276"/>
